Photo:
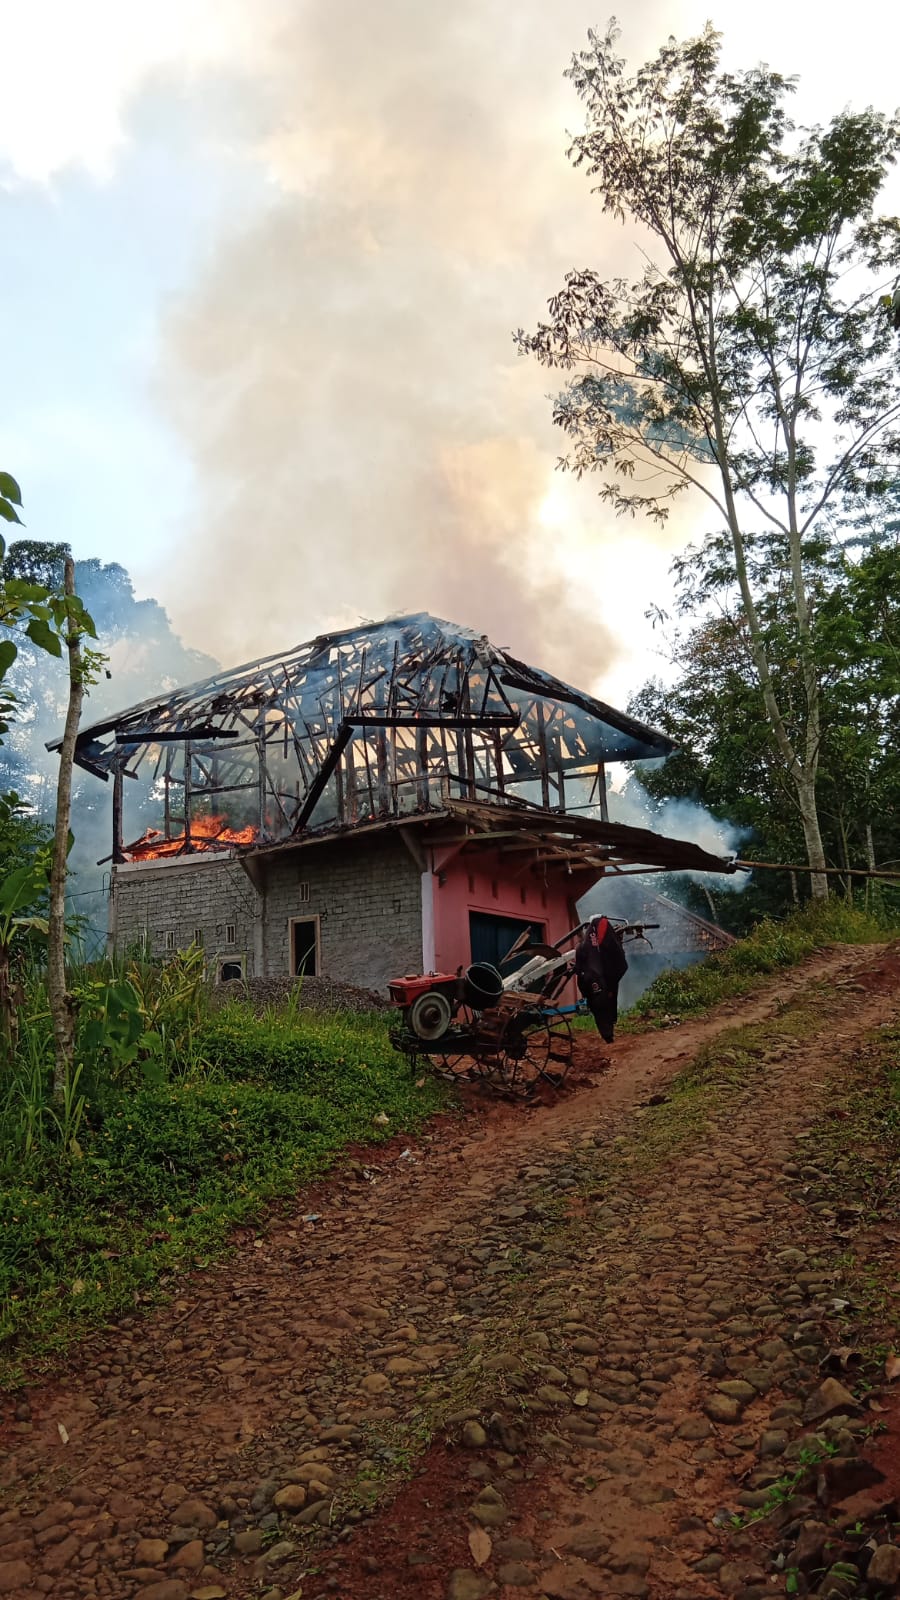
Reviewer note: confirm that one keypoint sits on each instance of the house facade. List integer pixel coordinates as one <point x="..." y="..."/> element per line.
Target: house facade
<point x="400" y="798"/>
<point x="359" y="910"/>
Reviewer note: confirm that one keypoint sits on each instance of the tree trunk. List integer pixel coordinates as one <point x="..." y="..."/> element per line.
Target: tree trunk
<point x="870" y="861"/>
<point x="62" y="1009"/>
<point x="845" y="852"/>
<point x="803" y="771"/>
<point x="9" y="1019"/>
<point x="809" y="817"/>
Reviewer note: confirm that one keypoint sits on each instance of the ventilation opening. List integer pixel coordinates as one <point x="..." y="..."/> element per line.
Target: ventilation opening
<point x="229" y="933"/>
<point x="304" y="893"/>
<point x="170" y="940"/>
<point x="198" y="938"/>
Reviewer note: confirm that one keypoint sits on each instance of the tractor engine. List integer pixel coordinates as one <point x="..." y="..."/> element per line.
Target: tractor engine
<point x="430" y="1002"/>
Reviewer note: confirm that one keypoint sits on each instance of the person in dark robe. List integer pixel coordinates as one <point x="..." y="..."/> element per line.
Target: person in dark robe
<point x="600" y="966"/>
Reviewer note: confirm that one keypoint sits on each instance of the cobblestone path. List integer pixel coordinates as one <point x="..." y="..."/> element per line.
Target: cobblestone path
<point x="537" y="1352"/>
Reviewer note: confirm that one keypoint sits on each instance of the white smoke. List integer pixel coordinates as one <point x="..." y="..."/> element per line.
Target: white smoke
<point x="682" y="819"/>
<point x="143" y="657"/>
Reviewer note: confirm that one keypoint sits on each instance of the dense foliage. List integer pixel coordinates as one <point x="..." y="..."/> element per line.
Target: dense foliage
<point x="752" y="363"/>
<point x="726" y="762"/>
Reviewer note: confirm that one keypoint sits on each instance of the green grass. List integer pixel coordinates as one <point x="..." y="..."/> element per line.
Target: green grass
<point x="772" y="946"/>
<point x="162" y="1173"/>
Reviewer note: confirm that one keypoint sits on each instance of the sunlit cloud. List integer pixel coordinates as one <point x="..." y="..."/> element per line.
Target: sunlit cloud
<point x="71" y="71"/>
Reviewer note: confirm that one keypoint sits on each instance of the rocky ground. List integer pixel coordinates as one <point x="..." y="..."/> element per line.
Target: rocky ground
<point x="612" y="1345"/>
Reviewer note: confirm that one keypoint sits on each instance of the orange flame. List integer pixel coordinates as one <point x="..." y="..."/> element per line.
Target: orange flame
<point x="207" y="833"/>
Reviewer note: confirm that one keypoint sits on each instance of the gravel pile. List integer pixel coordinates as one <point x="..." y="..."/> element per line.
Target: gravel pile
<point x="313" y="994"/>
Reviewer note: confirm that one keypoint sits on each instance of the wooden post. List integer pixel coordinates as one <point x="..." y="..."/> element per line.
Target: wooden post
<point x="351" y="800"/>
<point x="261" y="792"/>
<point x="465" y="708"/>
<point x="382" y="773"/>
<point x="542" y="756"/>
<point x="167" y="795"/>
<point x="188" y="793"/>
<point x="118" y="853"/>
<point x="602" y="794"/>
<point x="422" y="797"/>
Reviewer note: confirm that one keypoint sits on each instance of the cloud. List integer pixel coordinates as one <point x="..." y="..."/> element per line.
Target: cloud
<point x="70" y="72"/>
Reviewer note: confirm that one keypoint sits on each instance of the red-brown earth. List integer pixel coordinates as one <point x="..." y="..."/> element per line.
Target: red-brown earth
<point x="540" y="1351"/>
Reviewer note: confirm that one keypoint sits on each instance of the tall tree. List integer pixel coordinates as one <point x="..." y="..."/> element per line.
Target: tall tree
<point x="48" y="616"/>
<point x="725" y="759"/>
<point x="752" y="361"/>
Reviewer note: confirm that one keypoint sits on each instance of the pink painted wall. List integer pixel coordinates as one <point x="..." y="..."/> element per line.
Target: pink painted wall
<point x="487" y="882"/>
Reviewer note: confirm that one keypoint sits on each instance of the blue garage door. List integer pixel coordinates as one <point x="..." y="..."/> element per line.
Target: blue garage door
<point x="491" y="937"/>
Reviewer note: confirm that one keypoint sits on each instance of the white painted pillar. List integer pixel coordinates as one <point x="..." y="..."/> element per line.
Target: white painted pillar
<point x="428" y="919"/>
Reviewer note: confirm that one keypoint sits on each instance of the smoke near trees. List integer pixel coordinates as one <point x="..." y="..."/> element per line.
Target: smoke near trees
<point x="143" y="656"/>
<point x="751" y="363"/>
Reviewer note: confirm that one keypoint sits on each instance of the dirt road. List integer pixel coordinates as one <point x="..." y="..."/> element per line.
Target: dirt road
<point x="532" y="1353"/>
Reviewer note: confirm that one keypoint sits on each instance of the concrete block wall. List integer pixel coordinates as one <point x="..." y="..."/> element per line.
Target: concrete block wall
<point x="175" y="897"/>
<point x="367" y="895"/>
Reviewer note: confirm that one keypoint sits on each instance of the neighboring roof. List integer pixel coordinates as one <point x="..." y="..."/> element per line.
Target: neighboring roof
<point x="720" y="935"/>
<point x="639" y="901"/>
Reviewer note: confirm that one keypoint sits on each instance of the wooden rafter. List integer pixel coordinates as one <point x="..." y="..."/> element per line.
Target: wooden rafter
<point x="431" y="709"/>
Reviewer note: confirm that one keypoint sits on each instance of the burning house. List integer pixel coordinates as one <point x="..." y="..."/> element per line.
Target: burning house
<point x="403" y="796"/>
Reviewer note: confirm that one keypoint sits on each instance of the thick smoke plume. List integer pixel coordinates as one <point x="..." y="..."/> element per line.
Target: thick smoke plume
<point x="631" y="898"/>
<point x="366" y="438"/>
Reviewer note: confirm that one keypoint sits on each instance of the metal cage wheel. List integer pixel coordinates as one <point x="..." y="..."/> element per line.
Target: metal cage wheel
<point x="536" y="1046"/>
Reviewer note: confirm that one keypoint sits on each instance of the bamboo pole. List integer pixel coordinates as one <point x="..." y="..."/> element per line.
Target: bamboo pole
<point x="792" y="866"/>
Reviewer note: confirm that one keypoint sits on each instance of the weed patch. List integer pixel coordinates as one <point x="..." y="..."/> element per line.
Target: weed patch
<point x="164" y="1172"/>
<point x="771" y="947"/>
